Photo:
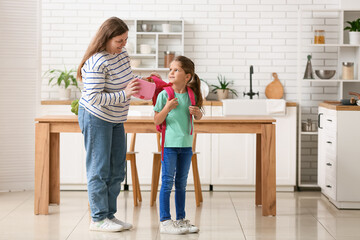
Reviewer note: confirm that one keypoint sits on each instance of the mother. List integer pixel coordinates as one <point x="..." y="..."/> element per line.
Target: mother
<point x="108" y="85"/>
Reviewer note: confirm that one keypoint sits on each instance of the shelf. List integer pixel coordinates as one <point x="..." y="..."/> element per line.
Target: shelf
<point x="309" y="133"/>
<point x="329" y="80"/>
<point x="150" y="69"/>
<point x="159" y="33"/>
<point x="331" y="45"/>
<point x="142" y="55"/>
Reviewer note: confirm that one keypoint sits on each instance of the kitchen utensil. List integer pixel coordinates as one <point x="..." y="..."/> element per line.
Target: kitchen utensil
<point x="319" y="37"/>
<point x="355" y="94"/>
<point x="168" y="58"/>
<point x="146" y="27"/>
<point x="166" y="27"/>
<point x="146" y="90"/>
<point x="308" y="71"/>
<point x="275" y="89"/>
<point x="306" y="125"/>
<point x="145" y="48"/>
<point x="350" y="101"/>
<point x="347" y="70"/>
<point x="325" y="74"/>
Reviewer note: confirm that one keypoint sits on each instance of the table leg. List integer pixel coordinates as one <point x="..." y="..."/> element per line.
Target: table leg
<point x="258" y="200"/>
<point x="54" y="190"/>
<point x="42" y="148"/>
<point x="268" y="169"/>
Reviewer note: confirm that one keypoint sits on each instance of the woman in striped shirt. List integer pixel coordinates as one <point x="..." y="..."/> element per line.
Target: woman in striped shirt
<point x="108" y="85"/>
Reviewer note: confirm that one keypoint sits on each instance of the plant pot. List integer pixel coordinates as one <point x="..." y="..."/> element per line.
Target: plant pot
<point x="222" y="94"/>
<point x="354" y="37"/>
<point x="64" y="94"/>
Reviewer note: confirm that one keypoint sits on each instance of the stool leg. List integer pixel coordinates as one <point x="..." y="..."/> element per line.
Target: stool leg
<point x="133" y="176"/>
<point x="197" y="185"/>
<point x="137" y="182"/>
<point x="155" y="178"/>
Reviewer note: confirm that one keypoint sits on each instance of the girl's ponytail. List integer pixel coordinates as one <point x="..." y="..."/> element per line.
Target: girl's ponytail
<point x="195" y="84"/>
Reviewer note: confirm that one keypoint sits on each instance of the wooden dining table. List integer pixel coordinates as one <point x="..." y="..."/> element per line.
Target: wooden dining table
<point x="47" y="152"/>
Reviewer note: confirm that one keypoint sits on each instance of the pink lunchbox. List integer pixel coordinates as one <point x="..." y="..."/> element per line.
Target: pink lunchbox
<point x="146" y="90"/>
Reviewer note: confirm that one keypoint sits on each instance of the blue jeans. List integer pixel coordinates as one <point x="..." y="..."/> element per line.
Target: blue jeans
<point x="105" y="146"/>
<point x="176" y="166"/>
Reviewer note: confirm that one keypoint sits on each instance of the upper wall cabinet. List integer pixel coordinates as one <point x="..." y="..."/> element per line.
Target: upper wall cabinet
<point x="154" y="43"/>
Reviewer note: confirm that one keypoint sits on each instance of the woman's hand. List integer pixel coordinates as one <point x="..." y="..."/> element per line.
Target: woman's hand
<point x="195" y="111"/>
<point x="131" y="88"/>
<point x="155" y="74"/>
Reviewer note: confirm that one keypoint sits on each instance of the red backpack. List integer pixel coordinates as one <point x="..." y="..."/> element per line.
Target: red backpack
<point x="161" y="85"/>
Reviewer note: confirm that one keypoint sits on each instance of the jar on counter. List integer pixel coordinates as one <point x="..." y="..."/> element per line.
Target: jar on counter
<point x="168" y="58"/>
<point x="319" y="37"/>
<point x="347" y="70"/>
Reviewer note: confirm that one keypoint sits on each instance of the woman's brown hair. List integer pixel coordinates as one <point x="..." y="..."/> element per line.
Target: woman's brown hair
<point x="112" y="27"/>
<point x="189" y="68"/>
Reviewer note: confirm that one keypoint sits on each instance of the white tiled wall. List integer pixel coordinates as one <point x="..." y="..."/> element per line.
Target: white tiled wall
<point x="221" y="36"/>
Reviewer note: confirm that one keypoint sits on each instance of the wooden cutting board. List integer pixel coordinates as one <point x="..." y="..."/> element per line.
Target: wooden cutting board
<point x="275" y="89"/>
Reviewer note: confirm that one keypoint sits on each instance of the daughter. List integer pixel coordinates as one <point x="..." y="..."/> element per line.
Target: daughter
<point x="178" y="142"/>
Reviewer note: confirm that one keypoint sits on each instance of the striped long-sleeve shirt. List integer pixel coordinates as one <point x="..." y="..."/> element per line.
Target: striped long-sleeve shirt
<point x="105" y="77"/>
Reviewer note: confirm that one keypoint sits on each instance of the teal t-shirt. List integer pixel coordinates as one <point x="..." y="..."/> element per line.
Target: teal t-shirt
<point x="177" y="121"/>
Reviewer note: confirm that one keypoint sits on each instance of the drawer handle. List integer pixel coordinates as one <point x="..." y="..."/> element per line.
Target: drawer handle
<point x="328" y="186"/>
<point x="328" y="164"/>
<point x="329" y="142"/>
<point x="329" y="120"/>
<point x="319" y="115"/>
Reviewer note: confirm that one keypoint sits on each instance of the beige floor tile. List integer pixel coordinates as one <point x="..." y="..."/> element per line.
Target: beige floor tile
<point x="222" y="215"/>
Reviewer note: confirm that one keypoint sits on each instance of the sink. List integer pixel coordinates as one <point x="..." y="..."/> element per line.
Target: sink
<point x="249" y="107"/>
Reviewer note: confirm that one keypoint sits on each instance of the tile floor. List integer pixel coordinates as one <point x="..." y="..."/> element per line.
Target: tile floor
<point x="223" y="215"/>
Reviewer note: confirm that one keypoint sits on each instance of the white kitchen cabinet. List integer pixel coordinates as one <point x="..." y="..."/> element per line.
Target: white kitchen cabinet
<point x="338" y="156"/>
<point x="234" y="155"/>
<point x="328" y="56"/>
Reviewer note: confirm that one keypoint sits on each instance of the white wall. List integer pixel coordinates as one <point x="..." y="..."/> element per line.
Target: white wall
<point x="19" y="92"/>
<point x="221" y="36"/>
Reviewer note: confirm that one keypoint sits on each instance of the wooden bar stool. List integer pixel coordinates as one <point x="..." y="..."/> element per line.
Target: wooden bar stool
<point x="156" y="173"/>
<point x="131" y="156"/>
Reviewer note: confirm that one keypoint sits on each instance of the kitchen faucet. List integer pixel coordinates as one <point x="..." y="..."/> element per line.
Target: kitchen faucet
<point x="251" y="93"/>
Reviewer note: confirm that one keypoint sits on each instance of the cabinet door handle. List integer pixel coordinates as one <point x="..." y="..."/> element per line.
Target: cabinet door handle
<point x="329" y="142"/>
<point x="319" y="120"/>
<point x="328" y="186"/>
<point x="328" y="164"/>
<point x="329" y="120"/>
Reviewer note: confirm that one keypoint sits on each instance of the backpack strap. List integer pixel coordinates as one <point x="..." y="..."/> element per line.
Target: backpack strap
<point x="171" y="94"/>
<point x="193" y="103"/>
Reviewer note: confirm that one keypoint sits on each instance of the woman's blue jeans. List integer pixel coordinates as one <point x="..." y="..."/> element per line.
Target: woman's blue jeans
<point x="105" y="146"/>
<point x="176" y="167"/>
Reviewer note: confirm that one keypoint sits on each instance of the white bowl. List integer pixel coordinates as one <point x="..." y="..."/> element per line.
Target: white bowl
<point x="145" y="48"/>
<point x="135" y="62"/>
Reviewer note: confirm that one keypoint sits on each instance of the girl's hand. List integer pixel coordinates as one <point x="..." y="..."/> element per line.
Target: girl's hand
<point x="195" y="111"/>
<point x="171" y="104"/>
<point x="131" y="88"/>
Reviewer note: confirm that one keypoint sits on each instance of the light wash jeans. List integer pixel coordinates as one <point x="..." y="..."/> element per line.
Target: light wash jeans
<point x="105" y="146"/>
<point x="176" y="166"/>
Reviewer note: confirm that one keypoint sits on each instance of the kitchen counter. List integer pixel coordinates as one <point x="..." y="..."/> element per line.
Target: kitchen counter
<point x="143" y="102"/>
<point x="334" y="105"/>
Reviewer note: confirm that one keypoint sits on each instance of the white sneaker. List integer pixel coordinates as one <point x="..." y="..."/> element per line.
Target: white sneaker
<point x="170" y="227"/>
<point x="125" y="225"/>
<point x="105" y="225"/>
<point x="186" y="224"/>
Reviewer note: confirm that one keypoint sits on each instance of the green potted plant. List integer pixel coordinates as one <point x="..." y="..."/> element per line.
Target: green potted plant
<point x="222" y="90"/>
<point x="64" y="79"/>
<point x="354" y="31"/>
